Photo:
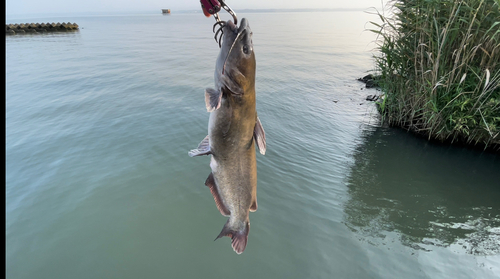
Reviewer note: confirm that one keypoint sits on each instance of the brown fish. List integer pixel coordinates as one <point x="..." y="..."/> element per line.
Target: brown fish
<point x="233" y="131"/>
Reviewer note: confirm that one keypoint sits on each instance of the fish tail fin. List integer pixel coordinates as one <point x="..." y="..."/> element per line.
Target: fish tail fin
<point x="239" y="238"/>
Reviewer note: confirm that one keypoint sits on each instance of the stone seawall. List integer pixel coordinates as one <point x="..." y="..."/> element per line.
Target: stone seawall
<point x="30" y="28"/>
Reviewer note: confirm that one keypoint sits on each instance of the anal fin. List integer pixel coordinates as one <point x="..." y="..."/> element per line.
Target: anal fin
<point x="210" y="182"/>
<point x="203" y="148"/>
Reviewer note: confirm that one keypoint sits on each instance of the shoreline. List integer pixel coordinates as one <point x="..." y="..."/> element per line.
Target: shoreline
<point x="457" y="141"/>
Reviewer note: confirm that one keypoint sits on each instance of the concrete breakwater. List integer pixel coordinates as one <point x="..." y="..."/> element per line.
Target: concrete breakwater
<point x="30" y="28"/>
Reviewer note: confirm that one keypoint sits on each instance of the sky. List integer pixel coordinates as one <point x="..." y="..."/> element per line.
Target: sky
<point x="22" y="7"/>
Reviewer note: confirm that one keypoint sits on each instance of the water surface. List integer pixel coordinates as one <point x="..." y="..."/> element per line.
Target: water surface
<point x="99" y="184"/>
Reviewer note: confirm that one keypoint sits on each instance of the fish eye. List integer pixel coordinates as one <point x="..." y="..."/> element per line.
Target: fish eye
<point x="247" y="49"/>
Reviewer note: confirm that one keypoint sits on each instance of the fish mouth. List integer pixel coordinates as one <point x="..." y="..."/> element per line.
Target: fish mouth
<point x="234" y="28"/>
<point x="228" y="27"/>
<point x="231" y="25"/>
<point x="243" y="25"/>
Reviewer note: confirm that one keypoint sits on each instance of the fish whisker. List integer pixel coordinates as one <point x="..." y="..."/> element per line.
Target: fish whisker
<point x="229" y="52"/>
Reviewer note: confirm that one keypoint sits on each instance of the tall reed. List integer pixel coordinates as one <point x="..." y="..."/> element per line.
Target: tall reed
<point x="439" y="67"/>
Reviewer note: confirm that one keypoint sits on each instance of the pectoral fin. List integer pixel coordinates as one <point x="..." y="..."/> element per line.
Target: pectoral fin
<point x="203" y="148"/>
<point x="260" y="136"/>
<point x="212" y="99"/>
<point x="210" y="182"/>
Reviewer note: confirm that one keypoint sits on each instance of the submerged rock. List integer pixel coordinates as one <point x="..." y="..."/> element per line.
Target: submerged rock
<point x="372" y="98"/>
<point x="370" y="81"/>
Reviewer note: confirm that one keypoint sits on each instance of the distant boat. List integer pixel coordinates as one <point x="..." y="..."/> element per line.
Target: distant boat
<point x="165" y="11"/>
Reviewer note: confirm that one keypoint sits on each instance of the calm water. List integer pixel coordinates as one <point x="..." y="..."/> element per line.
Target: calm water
<point x="99" y="184"/>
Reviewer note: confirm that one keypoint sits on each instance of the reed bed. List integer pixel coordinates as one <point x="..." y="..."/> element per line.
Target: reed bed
<point x="439" y="69"/>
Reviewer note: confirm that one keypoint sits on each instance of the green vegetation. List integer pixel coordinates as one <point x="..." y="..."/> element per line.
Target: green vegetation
<point x="439" y="68"/>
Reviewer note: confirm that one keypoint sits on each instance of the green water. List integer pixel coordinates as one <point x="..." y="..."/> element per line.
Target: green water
<point x="99" y="183"/>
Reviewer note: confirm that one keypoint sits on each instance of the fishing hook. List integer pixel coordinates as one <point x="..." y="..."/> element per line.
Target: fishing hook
<point x="212" y="7"/>
<point x="221" y="25"/>
<point x="230" y="11"/>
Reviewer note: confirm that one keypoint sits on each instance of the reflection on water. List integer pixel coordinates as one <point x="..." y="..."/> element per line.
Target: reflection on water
<point x="428" y="195"/>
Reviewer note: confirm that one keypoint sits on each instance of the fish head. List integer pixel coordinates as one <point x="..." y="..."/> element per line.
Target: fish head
<point x="236" y="62"/>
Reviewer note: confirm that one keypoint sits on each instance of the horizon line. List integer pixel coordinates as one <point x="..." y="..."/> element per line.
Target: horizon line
<point x="150" y="11"/>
